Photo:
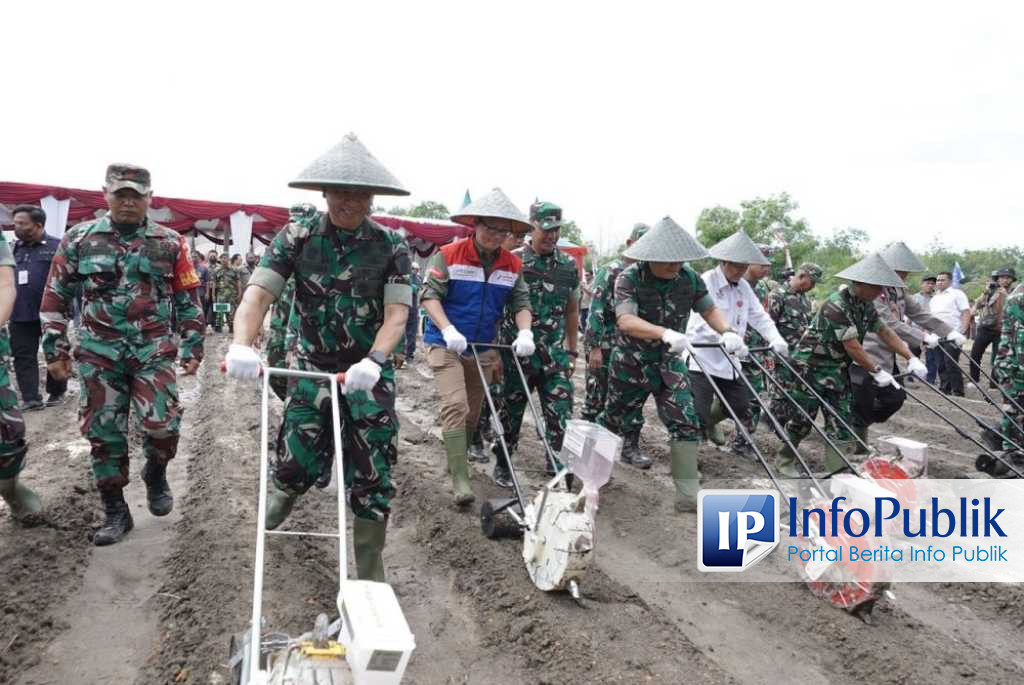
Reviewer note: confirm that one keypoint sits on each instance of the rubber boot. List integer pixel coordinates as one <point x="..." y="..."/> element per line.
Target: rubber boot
<point x="785" y="461"/>
<point x="158" y="491"/>
<point x="279" y="505"/>
<point x="862" y="433"/>
<point x="714" y="429"/>
<point x="119" y="518"/>
<point x="632" y="454"/>
<point x="501" y="475"/>
<point x="458" y="468"/>
<point x="368" y="543"/>
<point x="833" y="460"/>
<point x="19" y="498"/>
<point x="476" y="451"/>
<point x="685" y="474"/>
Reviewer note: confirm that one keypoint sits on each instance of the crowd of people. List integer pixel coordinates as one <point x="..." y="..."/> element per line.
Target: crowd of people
<point x="343" y="294"/>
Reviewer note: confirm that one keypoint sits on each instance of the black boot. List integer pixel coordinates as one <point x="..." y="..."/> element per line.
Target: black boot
<point x="158" y="491"/>
<point x="632" y="455"/>
<point x="119" y="519"/>
<point x="476" y="449"/>
<point x="326" y="469"/>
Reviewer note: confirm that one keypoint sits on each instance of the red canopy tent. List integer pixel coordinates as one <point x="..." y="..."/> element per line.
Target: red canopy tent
<point x="208" y="218"/>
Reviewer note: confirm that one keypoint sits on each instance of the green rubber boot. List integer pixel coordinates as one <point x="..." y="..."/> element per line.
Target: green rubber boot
<point x="455" y="446"/>
<point x="785" y="461"/>
<point x="862" y="433"/>
<point x="19" y="498"/>
<point x="685" y="474"/>
<point x="833" y="461"/>
<point x="279" y="505"/>
<point x="368" y="542"/>
<point x="717" y="415"/>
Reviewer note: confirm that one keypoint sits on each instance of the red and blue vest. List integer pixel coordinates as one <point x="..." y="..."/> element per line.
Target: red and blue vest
<point x="475" y="301"/>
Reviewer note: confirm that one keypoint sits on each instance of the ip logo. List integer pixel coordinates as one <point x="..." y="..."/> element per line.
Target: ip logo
<point x="736" y="528"/>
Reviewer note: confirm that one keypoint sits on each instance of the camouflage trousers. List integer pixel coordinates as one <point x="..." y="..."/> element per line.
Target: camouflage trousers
<point x="277" y="356"/>
<point x="12" y="425"/>
<point x="757" y="379"/>
<point x="1012" y="429"/>
<point x="109" y="390"/>
<point x="553" y="388"/>
<point x="833" y="385"/>
<point x="369" y="431"/>
<point x="631" y="380"/>
<point x="597" y="387"/>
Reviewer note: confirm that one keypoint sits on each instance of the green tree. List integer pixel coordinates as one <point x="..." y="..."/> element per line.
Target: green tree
<point x="428" y="209"/>
<point x="571" y="232"/>
<point x="716" y="224"/>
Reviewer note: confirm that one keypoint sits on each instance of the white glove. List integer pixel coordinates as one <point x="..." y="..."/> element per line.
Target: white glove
<point x="780" y="347"/>
<point x="957" y="338"/>
<point x="523" y="344"/>
<point x="883" y="378"/>
<point x="732" y="341"/>
<point x="916" y="367"/>
<point x="743" y="353"/>
<point x="675" y="340"/>
<point x="455" y="341"/>
<point x="243" y="362"/>
<point x="362" y="376"/>
<point x="931" y="341"/>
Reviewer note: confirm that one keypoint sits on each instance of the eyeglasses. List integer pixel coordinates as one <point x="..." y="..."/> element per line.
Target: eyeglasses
<point x="493" y="229"/>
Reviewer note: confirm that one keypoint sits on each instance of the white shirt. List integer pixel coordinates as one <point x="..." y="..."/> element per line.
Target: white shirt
<point x="739" y="306"/>
<point x="948" y="305"/>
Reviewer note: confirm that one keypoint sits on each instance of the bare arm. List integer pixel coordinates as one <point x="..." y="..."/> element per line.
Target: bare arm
<point x="435" y="310"/>
<point x="250" y="314"/>
<point x="572" y="324"/>
<point x="524" y="319"/>
<point x="392" y="329"/>
<point x="859" y="356"/>
<point x="965" y="320"/>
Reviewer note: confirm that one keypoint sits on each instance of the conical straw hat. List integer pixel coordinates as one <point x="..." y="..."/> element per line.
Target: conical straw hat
<point x="493" y="205"/>
<point x="900" y="258"/>
<point x="349" y="164"/>
<point x="666" y="242"/>
<point x="738" y="248"/>
<point x="874" y="271"/>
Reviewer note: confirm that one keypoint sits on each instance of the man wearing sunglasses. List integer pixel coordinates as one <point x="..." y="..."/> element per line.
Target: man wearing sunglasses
<point x="467" y="286"/>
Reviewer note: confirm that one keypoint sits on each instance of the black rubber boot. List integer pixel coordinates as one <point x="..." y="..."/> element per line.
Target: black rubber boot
<point x="119" y="519"/>
<point x="158" y="491"/>
<point x="632" y="454"/>
<point x="476" y="450"/>
<point x="326" y="469"/>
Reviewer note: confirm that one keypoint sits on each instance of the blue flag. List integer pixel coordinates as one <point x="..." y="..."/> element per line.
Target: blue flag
<point x="466" y="200"/>
<point x="958" y="274"/>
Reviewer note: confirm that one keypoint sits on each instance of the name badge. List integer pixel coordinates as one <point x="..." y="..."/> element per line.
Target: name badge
<point x="23" y="278"/>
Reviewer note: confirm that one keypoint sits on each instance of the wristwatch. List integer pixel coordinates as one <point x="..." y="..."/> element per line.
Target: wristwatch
<point x="377" y="357"/>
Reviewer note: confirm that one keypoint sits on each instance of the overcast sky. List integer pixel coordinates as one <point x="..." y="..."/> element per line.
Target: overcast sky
<point x="901" y="118"/>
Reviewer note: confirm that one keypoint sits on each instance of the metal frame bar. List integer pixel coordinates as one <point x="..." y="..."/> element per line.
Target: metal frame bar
<point x="985" y="394"/>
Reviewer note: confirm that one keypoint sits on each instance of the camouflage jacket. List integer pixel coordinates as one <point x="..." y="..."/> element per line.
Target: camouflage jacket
<point x="343" y="281"/>
<point x="663" y="302"/>
<point x="129" y="284"/>
<point x="840" y="317"/>
<point x="6" y="259"/>
<point x="791" y="313"/>
<point x="762" y="289"/>
<point x="226" y="281"/>
<point x="283" y="321"/>
<point x="554" y="282"/>
<point x="1010" y="357"/>
<point x="601" y="319"/>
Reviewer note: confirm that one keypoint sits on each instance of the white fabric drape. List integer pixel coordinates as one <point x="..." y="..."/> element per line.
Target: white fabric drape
<point x="56" y="215"/>
<point x="241" y="232"/>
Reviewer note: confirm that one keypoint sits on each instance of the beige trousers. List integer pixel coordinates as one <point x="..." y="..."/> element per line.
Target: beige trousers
<point x="460" y="386"/>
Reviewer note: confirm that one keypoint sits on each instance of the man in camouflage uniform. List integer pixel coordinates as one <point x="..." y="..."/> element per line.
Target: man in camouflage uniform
<point x="653" y="301"/>
<point x="352" y="298"/>
<point x="830" y="345"/>
<point x="554" y="282"/>
<point x="598" y="340"/>
<point x="134" y="275"/>
<point x="18" y="496"/>
<point x="227" y="289"/>
<point x="790" y="309"/>
<point x="873" y="404"/>
<point x="1009" y="369"/>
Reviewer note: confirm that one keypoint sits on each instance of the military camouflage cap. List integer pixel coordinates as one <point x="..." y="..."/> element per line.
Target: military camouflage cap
<point x="900" y="258"/>
<point x="812" y="270"/>
<point x="302" y="210"/>
<point x="493" y="205"/>
<point x="349" y="165"/>
<point x="738" y="248"/>
<point x="546" y="216"/>
<point x="127" y="176"/>
<point x="666" y="242"/>
<point x="874" y="271"/>
<point x="638" y="232"/>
